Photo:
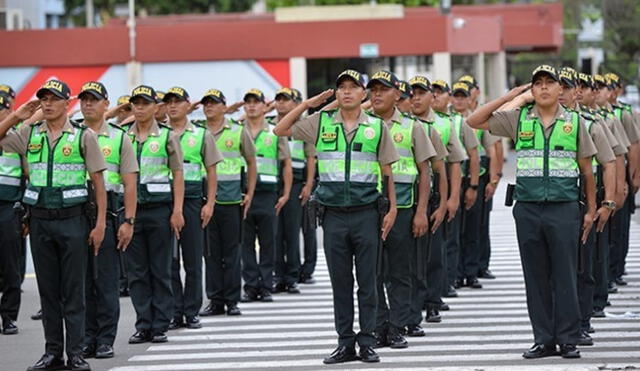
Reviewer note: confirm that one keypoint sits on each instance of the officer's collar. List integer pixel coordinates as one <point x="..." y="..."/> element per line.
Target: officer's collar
<point x="154" y="130"/>
<point x="396" y="117"/>
<point x="265" y="124"/>
<point x="104" y="129"/>
<point x="561" y="114"/>
<point x="66" y="128"/>
<point x="431" y="116"/>
<point x="363" y="118"/>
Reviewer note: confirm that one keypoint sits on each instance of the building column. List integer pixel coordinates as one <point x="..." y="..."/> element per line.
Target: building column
<point x="298" y="74"/>
<point x="442" y="66"/>
<point x="497" y="75"/>
<point x="480" y="76"/>
<point x="134" y="74"/>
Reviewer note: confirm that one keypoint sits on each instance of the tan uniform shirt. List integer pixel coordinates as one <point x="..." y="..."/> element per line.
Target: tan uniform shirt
<point x="629" y="125"/>
<point x="309" y="149"/>
<point x="422" y="147"/>
<point x="505" y="124"/>
<point x="457" y="153"/>
<point x="603" y="146"/>
<point x="488" y="139"/>
<point x="210" y="153"/>
<point x="283" y="144"/>
<point x="173" y="143"/>
<point x="307" y="130"/>
<point x="247" y="147"/>
<point x="17" y="141"/>
<point x="128" y="161"/>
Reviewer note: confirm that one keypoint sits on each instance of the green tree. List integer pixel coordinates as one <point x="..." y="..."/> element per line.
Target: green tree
<point x="621" y="42"/>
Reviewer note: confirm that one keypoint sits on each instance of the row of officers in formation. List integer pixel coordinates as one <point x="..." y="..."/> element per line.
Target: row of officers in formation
<point x="131" y="192"/>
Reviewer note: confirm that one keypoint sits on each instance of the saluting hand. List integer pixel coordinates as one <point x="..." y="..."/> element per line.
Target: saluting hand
<point x="513" y="93"/>
<point x="234" y="107"/>
<point x="27" y="110"/>
<point x="317" y="100"/>
<point x="193" y="106"/>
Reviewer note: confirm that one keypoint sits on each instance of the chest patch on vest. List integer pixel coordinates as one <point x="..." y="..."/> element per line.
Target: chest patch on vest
<point x="191" y="142"/>
<point x="154" y="147"/>
<point x="228" y="143"/>
<point x="35" y="147"/>
<point x="268" y="141"/>
<point x="398" y="137"/>
<point x="329" y="137"/>
<point x="369" y="133"/>
<point x="106" y="151"/>
<point x="567" y="128"/>
<point x="67" y="150"/>
<point x="525" y="135"/>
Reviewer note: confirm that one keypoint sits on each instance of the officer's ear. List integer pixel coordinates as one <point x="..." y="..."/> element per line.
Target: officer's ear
<point x="397" y="95"/>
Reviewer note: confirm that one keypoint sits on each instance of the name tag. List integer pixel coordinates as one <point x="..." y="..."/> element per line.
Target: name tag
<point x="328" y="137"/>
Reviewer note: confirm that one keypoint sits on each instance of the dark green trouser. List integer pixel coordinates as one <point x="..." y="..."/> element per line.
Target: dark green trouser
<point x="149" y="267"/>
<point x="102" y="294"/>
<point x="620" y="224"/>
<point x="451" y="251"/>
<point x="223" y="266"/>
<point x="601" y="268"/>
<point x="10" y="251"/>
<point x="310" y="250"/>
<point x="436" y="269"/>
<point x="485" y="239"/>
<point x="396" y="273"/>
<point x="188" y="299"/>
<point x="548" y="237"/>
<point x="287" y="261"/>
<point x="420" y="289"/>
<point x="470" y="236"/>
<point x="261" y="222"/>
<point x="59" y="249"/>
<point x="586" y="280"/>
<point x="349" y="235"/>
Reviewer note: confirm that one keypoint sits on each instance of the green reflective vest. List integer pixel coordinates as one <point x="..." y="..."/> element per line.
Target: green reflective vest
<point x="229" y="170"/>
<point x="11" y="177"/>
<point x="191" y="142"/>
<point x="57" y="176"/>
<point x="618" y="109"/>
<point x="298" y="158"/>
<point x="348" y="171"/>
<point x="267" y="160"/>
<point x="404" y="170"/>
<point x="154" y="180"/>
<point x="111" y="146"/>
<point x="547" y="168"/>
<point x="443" y="126"/>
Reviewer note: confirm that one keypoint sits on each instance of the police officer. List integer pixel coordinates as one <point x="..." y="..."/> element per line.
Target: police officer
<point x="103" y="305"/>
<point x="11" y="190"/>
<point x="223" y="272"/>
<point x="353" y="149"/>
<point x="273" y="158"/>
<point x="287" y="263"/>
<point x="404" y="103"/>
<point x="59" y="153"/>
<point x="411" y="176"/>
<point x="200" y="158"/>
<point x="161" y="114"/>
<point x="549" y="223"/>
<point x="426" y="290"/>
<point x="474" y="216"/>
<point x="121" y="112"/>
<point x="158" y="218"/>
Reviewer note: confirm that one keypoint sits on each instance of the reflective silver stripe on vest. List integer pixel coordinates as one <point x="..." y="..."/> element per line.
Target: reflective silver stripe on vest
<point x="158" y="178"/>
<point x="113" y="167"/>
<point x="264" y="178"/>
<point x="364" y="156"/>
<point x="117" y="188"/>
<point x="331" y="156"/>
<point x="159" y="188"/>
<point x="9" y="161"/>
<point x="267" y="161"/>
<point x="230" y="154"/>
<point x="564" y="173"/>
<point x="228" y="177"/>
<point x="403" y="178"/>
<point x="38" y="166"/>
<point x="528" y="173"/>
<point x="152" y="161"/>
<point x="332" y="177"/>
<point x="296" y="146"/>
<point x="562" y="154"/>
<point x="7" y="180"/>
<point x="530" y="153"/>
<point x="364" y="178"/>
<point x="75" y="193"/>
<point x="31" y="194"/>
<point x="297" y="164"/>
<point x="404" y="152"/>
<point x="69" y="167"/>
<point x="190" y="167"/>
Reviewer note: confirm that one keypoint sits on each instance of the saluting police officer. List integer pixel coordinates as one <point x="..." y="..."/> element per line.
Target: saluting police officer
<point x="200" y="156"/>
<point x="273" y="159"/>
<point x="411" y="176"/>
<point x="102" y="291"/>
<point x="59" y="153"/>
<point x="222" y="278"/>
<point x="159" y="218"/>
<point x="354" y="149"/>
<point x="287" y="262"/>
<point x="554" y="149"/>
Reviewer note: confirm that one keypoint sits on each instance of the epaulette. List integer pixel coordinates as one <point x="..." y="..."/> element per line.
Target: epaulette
<point x="370" y="113"/>
<point x="330" y="112"/>
<point x="115" y="126"/>
<point x="408" y="115"/>
<point x="200" y="123"/>
<point x="78" y="123"/>
<point x="442" y="114"/>
<point x="163" y="125"/>
<point x="37" y="123"/>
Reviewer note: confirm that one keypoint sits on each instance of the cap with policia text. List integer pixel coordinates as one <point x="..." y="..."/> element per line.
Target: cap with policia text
<point x="420" y="82"/>
<point x="461" y="87"/>
<point x="470" y="80"/>
<point x="159" y="96"/>
<point x="599" y="80"/>
<point x="145" y="92"/>
<point x="123" y="99"/>
<point x="440" y="84"/>
<point x="542" y="70"/>
<point x="57" y="88"/>
<point x="297" y="95"/>
<point x="215" y="95"/>
<point x="586" y="80"/>
<point x="568" y="77"/>
<point x="7" y="91"/>
<point x="177" y="92"/>
<point x="405" y="89"/>
<point x="285" y="92"/>
<point x="256" y="93"/>
<point x="614" y="80"/>
<point x="385" y="78"/>
<point x="4" y="102"/>
<point x="353" y="75"/>
<point x="94" y="88"/>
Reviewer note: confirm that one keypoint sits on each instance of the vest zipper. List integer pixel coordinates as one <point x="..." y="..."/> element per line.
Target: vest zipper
<point x="50" y="159"/>
<point x="347" y="165"/>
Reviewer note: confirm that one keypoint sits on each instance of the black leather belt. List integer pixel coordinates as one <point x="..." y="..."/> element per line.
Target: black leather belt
<point x="351" y="209"/>
<point x="51" y="214"/>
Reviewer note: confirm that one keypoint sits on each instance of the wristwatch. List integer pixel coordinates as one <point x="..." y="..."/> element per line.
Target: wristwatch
<point x="130" y="221"/>
<point x="473" y="186"/>
<point x="609" y="204"/>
